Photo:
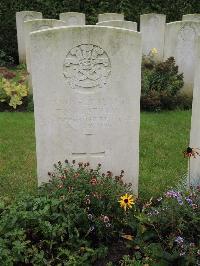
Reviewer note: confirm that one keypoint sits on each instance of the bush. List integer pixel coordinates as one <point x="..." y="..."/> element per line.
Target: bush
<point x="168" y="230"/>
<point x="161" y="85"/>
<point x="72" y="221"/>
<point x="80" y="216"/>
<point x="51" y="9"/>
<point x="14" y="91"/>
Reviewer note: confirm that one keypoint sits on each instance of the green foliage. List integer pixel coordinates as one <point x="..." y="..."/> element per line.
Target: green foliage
<point x="76" y="219"/>
<point x="51" y="9"/>
<point x="14" y="91"/>
<point x="70" y="222"/>
<point x="30" y="104"/>
<point x="161" y="84"/>
<point x="168" y="230"/>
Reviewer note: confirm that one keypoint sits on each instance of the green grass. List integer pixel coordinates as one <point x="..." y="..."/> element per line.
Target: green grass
<point x="17" y="154"/>
<point x="163" y="138"/>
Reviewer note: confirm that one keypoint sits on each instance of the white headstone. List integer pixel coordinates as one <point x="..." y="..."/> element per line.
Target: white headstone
<point x="195" y="121"/>
<point x="35" y="25"/>
<point x="110" y="16"/>
<point x="180" y="40"/>
<point x="152" y="27"/>
<point x="129" y="25"/>
<point x="73" y="18"/>
<point x="193" y="17"/>
<point x="86" y="87"/>
<point x="20" y="18"/>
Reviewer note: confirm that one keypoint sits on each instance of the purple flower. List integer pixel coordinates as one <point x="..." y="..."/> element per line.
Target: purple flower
<point x="172" y="194"/>
<point x="179" y="240"/>
<point x="175" y="195"/>
<point x="189" y="201"/>
<point x="180" y="201"/>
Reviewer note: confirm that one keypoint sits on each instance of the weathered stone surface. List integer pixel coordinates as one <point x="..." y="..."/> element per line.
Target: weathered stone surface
<point x="152" y="27"/>
<point x="193" y="17"/>
<point x="20" y="18"/>
<point x="73" y="18"/>
<point x="35" y="25"/>
<point x="86" y="87"/>
<point x="180" y="40"/>
<point x="110" y="16"/>
<point x="195" y="120"/>
<point x="129" y="25"/>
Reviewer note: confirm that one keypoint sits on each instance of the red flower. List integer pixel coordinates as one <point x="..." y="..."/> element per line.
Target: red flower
<point x="191" y="152"/>
<point x="93" y="181"/>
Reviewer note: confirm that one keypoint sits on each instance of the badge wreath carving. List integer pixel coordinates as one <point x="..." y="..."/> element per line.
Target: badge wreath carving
<point x="87" y="66"/>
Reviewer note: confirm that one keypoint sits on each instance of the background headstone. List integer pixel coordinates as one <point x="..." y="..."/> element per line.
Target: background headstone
<point x="110" y="16"/>
<point x="195" y="120"/>
<point x="73" y="18"/>
<point x="86" y="87"/>
<point x="152" y="27"/>
<point x="20" y="18"/>
<point x="129" y="25"/>
<point x="193" y="17"/>
<point x="180" y="40"/>
<point x="34" y="25"/>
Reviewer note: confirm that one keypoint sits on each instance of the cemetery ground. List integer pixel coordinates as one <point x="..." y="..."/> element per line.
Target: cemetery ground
<point x="54" y="225"/>
<point x="163" y="137"/>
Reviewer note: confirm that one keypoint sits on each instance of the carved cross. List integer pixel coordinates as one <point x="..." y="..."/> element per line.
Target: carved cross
<point x="87" y="154"/>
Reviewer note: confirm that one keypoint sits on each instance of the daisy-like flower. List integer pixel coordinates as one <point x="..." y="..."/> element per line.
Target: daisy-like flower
<point x="126" y="201"/>
<point x="191" y="152"/>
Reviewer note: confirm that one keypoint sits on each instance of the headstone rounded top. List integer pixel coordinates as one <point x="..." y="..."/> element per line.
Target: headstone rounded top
<point x="28" y="15"/>
<point x="193" y="17"/>
<point x="36" y="23"/>
<point x="110" y="16"/>
<point x="152" y="15"/>
<point x="72" y="13"/>
<point x="119" y="24"/>
<point x="52" y="31"/>
<point x="73" y="18"/>
<point x="26" y="12"/>
<point x="182" y="22"/>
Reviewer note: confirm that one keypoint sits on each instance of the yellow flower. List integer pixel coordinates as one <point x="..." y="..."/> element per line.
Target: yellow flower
<point x="154" y="51"/>
<point x="126" y="201"/>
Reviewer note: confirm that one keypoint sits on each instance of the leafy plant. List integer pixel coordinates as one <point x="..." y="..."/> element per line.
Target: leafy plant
<point x="161" y="85"/>
<point x="11" y="92"/>
<point x="168" y="230"/>
<point x="73" y="219"/>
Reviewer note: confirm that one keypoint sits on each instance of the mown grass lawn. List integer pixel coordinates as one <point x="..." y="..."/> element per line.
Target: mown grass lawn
<point x="163" y="137"/>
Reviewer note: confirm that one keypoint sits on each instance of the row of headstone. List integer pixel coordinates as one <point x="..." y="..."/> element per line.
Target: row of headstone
<point x="81" y="111"/>
<point x="23" y="29"/>
<point x="175" y="39"/>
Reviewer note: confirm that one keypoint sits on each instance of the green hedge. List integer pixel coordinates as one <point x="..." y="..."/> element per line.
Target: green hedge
<point x="51" y="9"/>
